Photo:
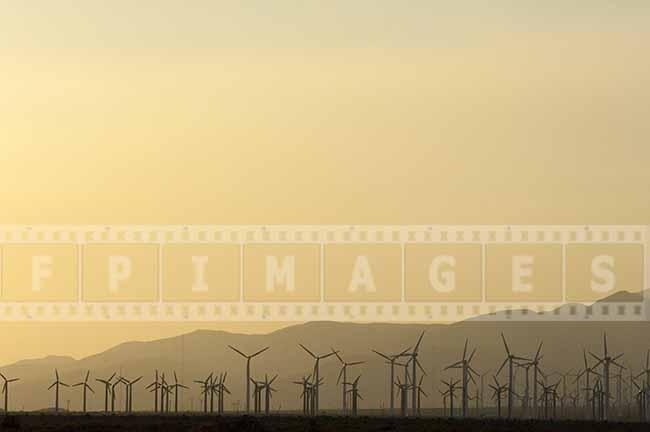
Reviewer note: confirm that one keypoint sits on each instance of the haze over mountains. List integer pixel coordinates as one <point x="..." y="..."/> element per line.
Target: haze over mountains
<point x="193" y="356"/>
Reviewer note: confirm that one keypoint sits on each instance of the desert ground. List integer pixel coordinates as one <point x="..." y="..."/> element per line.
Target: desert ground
<point x="279" y="423"/>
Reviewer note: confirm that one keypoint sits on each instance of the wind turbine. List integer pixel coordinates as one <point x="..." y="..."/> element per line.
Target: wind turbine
<point x="404" y="388"/>
<point x="535" y="364"/>
<point x="444" y="395"/>
<point x="248" y="372"/>
<point x="126" y="393"/>
<point x="113" y="393"/>
<point x="343" y="374"/>
<point x="451" y="391"/>
<point x="304" y="395"/>
<point x="155" y="386"/>
<point x="414" y="365"/>
<point x="642" y="397"/>
<point x="267" y="393"/>
<point x="176" y="386"/>
<point x="355" y="395"/>
<point x="420" y="393"/>
<point x="56" y="384"/>
<point x="129" y="393"/>
<point x="5" y="390"/>
<point x="498" y="391"/>
<point x="205" y="387"/>
<point x="257" y="395"/>
<point x="221" y="389"/>
<point x="549" y="390"/>
<point x="587" y="372"/>
<point x="107" y="389"/>
<point x="164" y="394"/>
<point x="392" y="359"/>
<point x="526" y="397"/>
<point x="646" y="370"/>
<point x="86" y="387"/>
<point x="317" y="360"/>
<point x="466" y="370"/>
<point x="510" y="361"/>
<point x="606" y="360"/>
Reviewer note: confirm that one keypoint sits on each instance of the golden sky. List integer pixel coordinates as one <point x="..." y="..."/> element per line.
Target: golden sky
<point x="350" y="112"/>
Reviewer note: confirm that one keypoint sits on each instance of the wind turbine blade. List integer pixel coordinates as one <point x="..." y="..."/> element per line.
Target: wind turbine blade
<point x="417" y="345"/>
<point x="417" y="362"/>
<point x="336" y="353"/>
<point x="605" y="342"/>
<point x="338" y="380"/>
<point x="539" y="350"/>
<point x="584" y="354"/>
<point x="505" y="344"/>
<point x="502" y="365"/>
<point x="260" y="352"/>
<point x="465" y="349"/>
<point x="328" y="355"/>
<point x="356" y="363"/>
<point x="471" y="356"/>
<point x="237" y="351"/>
<point x="597" y="358"/>
<point x="309" y="352"/>
<point x="53" y="384"/>
<point x="454" y="365"/>
<point x="87" y="375"/>
<point x="403" y="352"/>
<point x="382" y="355"/>
<point x="56" y="372"/>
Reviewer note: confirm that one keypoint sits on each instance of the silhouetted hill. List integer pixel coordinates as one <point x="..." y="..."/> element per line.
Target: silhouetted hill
<point x="196" y="354"/>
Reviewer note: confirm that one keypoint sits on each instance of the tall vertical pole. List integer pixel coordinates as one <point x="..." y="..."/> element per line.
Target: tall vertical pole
<point x="345" y="388"/>
<point x="510" y="389"/>
<point x="248" y="385"/>
<point x="414" y="390"/>
<point x="464" y="393"/>
<point x="606" y="396"/>
<point x="316" y="395"/>
<point x="392" y="387"/>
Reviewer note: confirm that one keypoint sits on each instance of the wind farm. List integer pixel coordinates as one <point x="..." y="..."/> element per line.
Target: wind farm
<point x="526" y="385"/>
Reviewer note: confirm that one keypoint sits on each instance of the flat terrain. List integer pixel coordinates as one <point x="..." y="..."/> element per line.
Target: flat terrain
<point x="48" y="422"/>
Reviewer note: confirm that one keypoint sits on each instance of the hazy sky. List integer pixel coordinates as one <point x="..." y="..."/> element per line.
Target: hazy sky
<point x="263" y="112"/>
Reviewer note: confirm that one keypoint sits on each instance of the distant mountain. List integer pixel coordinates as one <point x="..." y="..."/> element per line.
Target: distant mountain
<point x="196" y="354"/>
